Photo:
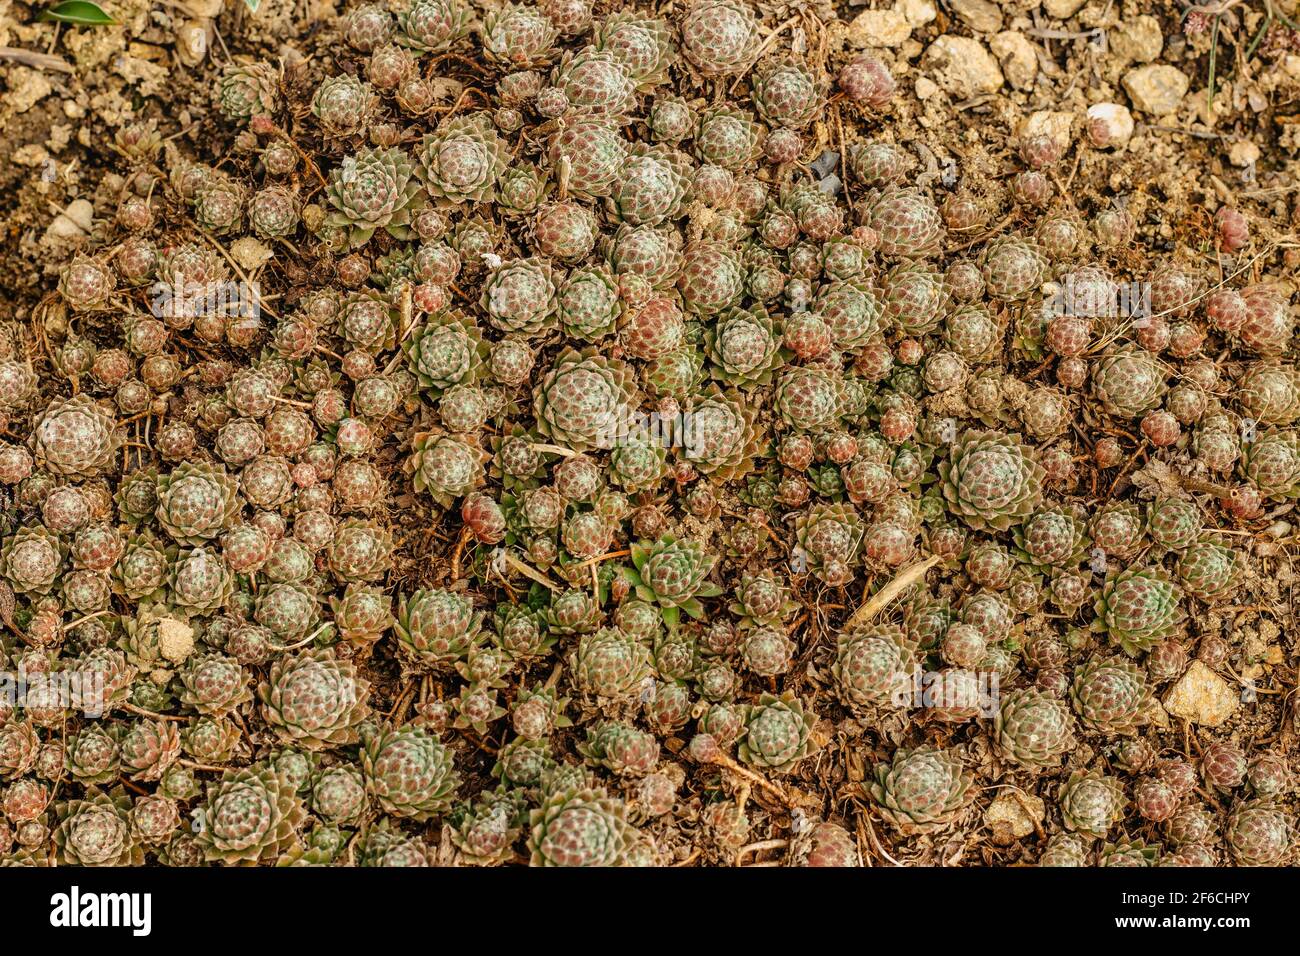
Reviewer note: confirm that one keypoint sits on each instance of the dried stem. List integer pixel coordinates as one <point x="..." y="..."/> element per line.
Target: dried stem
<point x="882" y="598"/>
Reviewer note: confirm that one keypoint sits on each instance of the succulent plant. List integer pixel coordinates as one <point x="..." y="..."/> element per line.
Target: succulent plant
<point x="923" y="790"/>
<point x="872" y="665"/>
<point x="721" y="438"/>
<point x="745" y="347"/>
<point x="374" y="189"/>
<point x="75" y="438"/>
<point x="95" y="831"/>
<point x="579" y="826"/>
<point x="610" y="664"/>
<point x="437" y="627"/>
<point x="518" y="36"/>
<point x="594" y="82"/>
<point x="990" y="480"/>
<point x="1092" y="803"/>
<point x="787" y="94"/>
<point x="32" y="559"/>
<point x="447" y="350"/>
<point x="1051" y="537"/>
<point x="314" y="700"/>
<point x="592" y="153"/>
<point x="249" y="816"/>
<point x="644" y="47"/>
<point x="196" y="502"/>
<point x="445" y="467"/>
<point x="1128" y="382"/>
<point x="149" y="748"/>
<point x="777" y="733"/>
<point x="1269" y="392"/>
<point x="672" y="572"/>
<point x="621" y="749"/>
<point x="1272" y="464"/>
<point x="762" y="598"/>
<point x="1260" y="834"/>
<point x="409" y="772"/>
<point x="582" y="401"/>
<point x="1138" y="607"/>
<point x="433" y="26"/>
<point x="1013" y="267"/>
<point x="214" y="684"/>
<point x="1032" y="728"/>
<point x="719" y="37"/>
<point x="463" y="159"/>
<point x="829" y="538"/>
<point x="488" y="830"/>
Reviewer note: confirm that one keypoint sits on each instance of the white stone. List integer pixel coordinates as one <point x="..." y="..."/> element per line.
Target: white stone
<point x="32" y="154"/>
<point x="1202" y="697"/>
<point x="879" y="28"/>
<point x="192" y="41"/>
<point x="1062" y="9"/>
<point x="249" y="253"/>
<point x="918" y="12"/>
<point x="962" y="66"/>
<point x="982" y="16"/>
<point x="1055" y="124"/>
<point x="27" y="87"/>
<point x="1012" y="816"/>
<point x="1157" y="89"/>
<point x="75" y="221"/>
<point x="1018" y="57"/>
<point x="1138" y="40"/>
<point x="1116" y="120"/>
<point x="1243" y="153"/>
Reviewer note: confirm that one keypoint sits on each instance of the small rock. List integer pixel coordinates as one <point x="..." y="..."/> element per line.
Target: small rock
<point x="192" y="41"/>
<point x="1153" y="715"/>
<point x="33" y="154"/>
<point x="1156" y="89"/>
<point x="1202" y="697"/>
<point x="1062" y="9"/>
<point x="60" y="135"/>
<point x="1058" y="125"/>
<point x="27" y="87"/>
<point x="81" y="212"/>
<point x="918" y="12"/>
<point x="962" y="66"/>
<point x="1116" y="120"/>
<point x="1018" y="57"/>
<point x="1137" y="41"/>
<point x="1012" y="816"/>
<point x="76" y="220"/>
<point x="925" y="88"/>
<point x="982" y="16"/>
<point x="879" y="28"/>
<point x="1243" y="153"/>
